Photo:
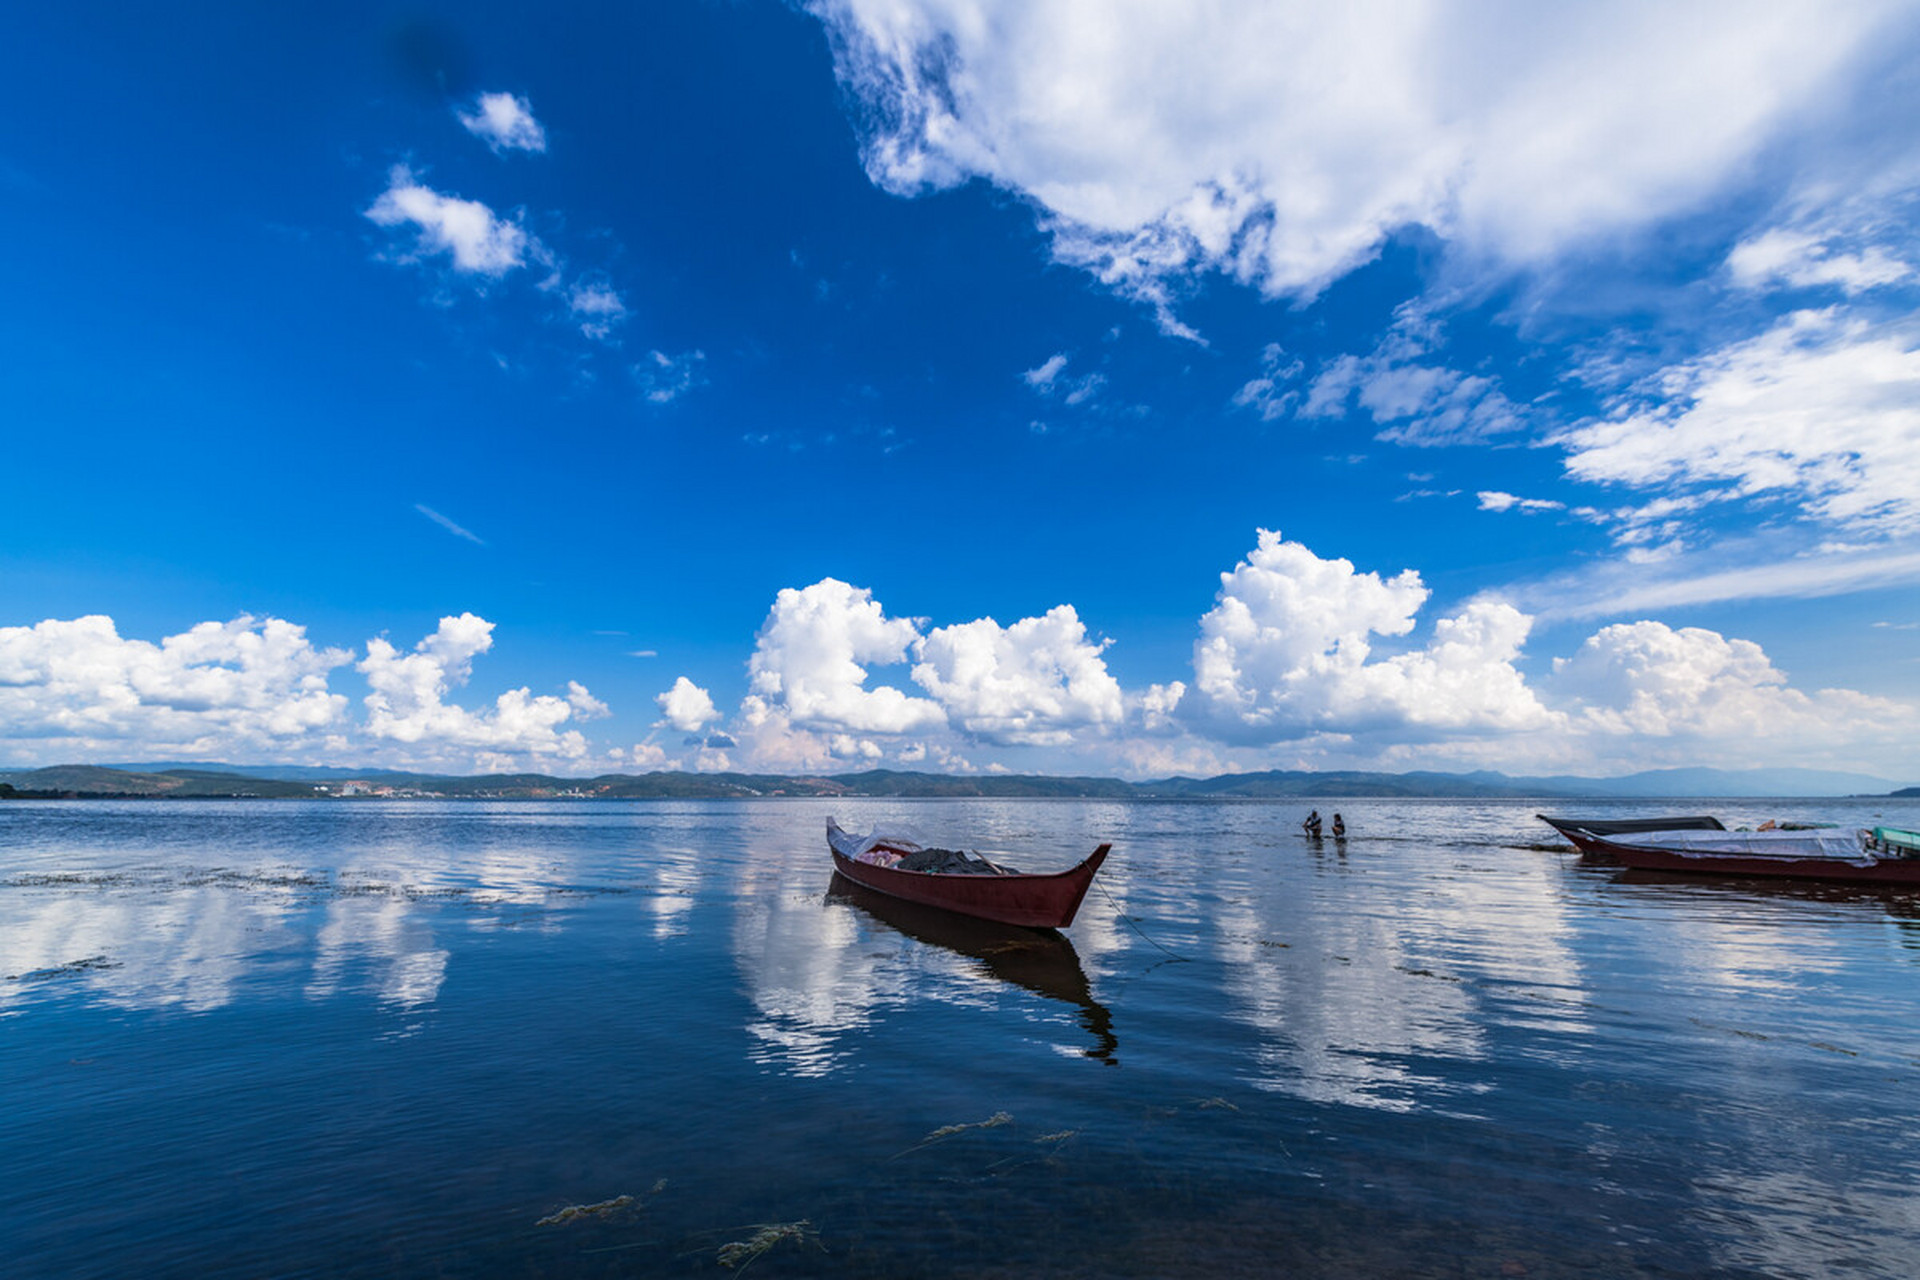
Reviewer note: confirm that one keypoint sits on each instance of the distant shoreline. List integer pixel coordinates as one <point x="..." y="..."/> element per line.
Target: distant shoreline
<point x="226" y="782"/>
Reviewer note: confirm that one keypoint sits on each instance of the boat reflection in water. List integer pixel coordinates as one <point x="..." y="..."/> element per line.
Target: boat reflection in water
<point x="1900" y="902"/>
<point x="1038" y="960"/>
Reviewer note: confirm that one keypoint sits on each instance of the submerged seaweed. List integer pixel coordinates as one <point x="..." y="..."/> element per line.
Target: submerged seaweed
<point x="993" y="1121"/>
<point x="63" y="970"/>
<point x="741" y="1253"/>
<point x="618" y="1207"/>
<point x="575" y="1212"/>
<point x="946" y="1131"/>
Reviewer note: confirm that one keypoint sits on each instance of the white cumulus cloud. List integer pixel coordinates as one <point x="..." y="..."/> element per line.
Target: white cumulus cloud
<point x="1033" y="683"/>
<point x="811" y="658"/>
<point x="1286" y="660"/>
<point x="687" y="707"/>
<point x="407" y="703"/>
<point x="1286" y="653"/>
<point x="767" y="737"/>
<point x="585" y="705"/>
<point x="1691" y="687"/>
<point x="78" y="689"/>
<point x="504" y="121"/>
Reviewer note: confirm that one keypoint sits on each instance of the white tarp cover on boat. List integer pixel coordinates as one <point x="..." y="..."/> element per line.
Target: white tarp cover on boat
<point x="1839" y="844"/>
<point x="903" y="838"/>
<point x="882" y="846"/>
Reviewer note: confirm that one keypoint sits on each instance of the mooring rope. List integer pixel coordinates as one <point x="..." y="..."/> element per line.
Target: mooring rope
<point x="1137" y="929"/>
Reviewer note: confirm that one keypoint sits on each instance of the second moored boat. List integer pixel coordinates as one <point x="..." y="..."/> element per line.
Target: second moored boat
<point x="1702" y="845"/>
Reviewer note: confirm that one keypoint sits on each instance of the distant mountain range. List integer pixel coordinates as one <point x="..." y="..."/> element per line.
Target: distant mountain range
<point x="206" y="781"/>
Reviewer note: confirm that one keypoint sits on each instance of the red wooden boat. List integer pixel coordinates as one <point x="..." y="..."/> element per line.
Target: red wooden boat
<point x="974" y="886"/>
<point x="1882" y="855"/>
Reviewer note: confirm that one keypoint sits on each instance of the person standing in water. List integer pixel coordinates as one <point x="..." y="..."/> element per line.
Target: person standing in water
<point x="1312" y="825"/>
<point x="1339" y="827"/>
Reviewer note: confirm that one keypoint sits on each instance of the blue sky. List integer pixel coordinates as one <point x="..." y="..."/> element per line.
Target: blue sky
<point x="1049" y="386"/>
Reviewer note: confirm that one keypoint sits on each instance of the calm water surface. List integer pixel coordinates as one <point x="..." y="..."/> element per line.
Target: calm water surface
<point x="402" y="1039"/>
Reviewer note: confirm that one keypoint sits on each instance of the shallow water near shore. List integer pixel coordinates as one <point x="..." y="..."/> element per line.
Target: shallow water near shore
<point x="587" y="1039"/>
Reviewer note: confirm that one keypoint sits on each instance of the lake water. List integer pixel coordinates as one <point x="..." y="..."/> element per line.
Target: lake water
<point x="403" y="1039"/>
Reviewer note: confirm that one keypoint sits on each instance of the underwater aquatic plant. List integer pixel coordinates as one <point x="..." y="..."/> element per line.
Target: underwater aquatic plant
<point x="575" y="1212"/>
<point x="741" y="1253"/>
<point x="993" y="1121"/>
<point x="949" y="1131"/>
<point x="945" y="1131"/>
<point x="615" y="1207"/>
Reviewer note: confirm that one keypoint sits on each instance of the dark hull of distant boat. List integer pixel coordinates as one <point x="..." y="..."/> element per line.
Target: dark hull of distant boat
<point x="1034" y="901"/>
<point x="1865" y="869"/>
<point x="1604" y="827"/>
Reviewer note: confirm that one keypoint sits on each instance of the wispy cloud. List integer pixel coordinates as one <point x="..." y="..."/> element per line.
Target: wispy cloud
<point x="1803" y="259"/>
<point x="596" y="307"/>
<point x="1041" y="377"/>
<point x="1630" y="588"/>
<point x="477" y="240"/>
<point x="1266" y="394"/>
<point x="1823" y="408"/>
<point x="1414" y="399"/>
<point x="457" y="531"/>
<point x="1166" y="146"/>
<point x="437" y="228"/>
<point x="1495" y="500"/>
<point x="1050" y="379"/>
<point x="664" y="378"/>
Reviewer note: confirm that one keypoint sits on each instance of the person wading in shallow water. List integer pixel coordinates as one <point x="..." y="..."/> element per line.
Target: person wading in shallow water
<point x="1339" y="827"/>
<point x="1312" y="825"/>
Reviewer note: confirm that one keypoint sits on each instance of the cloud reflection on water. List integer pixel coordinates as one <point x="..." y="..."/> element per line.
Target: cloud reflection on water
<point x="1723" y="1062"/>
<point x="116" y="900"/>
<point x="390" y="942"/>
<point x="1380" y="999"/>
<point x="185" y="945"/>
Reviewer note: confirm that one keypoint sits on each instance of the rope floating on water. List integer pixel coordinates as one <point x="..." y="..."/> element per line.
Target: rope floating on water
<point x="1137" y="929"/>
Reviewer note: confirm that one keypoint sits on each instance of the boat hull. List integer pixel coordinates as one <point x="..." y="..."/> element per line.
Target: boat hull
<point x="1625" y="826"/>
<point x="1033" y="901"/>
<point x="1864" y="870"/>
